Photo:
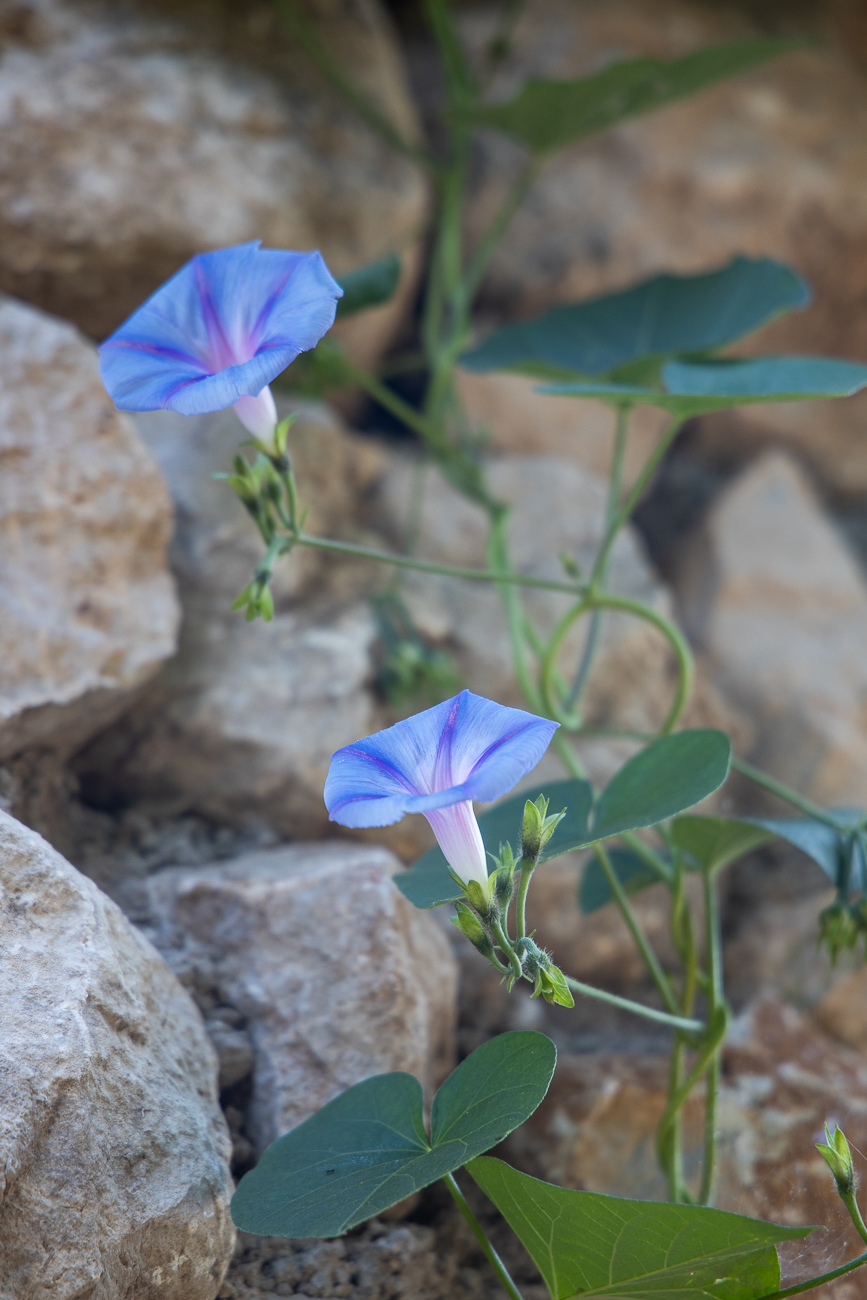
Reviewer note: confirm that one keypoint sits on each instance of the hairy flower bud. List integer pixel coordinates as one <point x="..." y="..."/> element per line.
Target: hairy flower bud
<point x="531" y="829"/>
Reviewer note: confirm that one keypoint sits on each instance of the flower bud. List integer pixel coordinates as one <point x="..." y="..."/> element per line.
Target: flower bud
<point x="836" y="1154"/>
<point x="531" y="830"/>
<point x="478" y="896"/>
<point x="471" y="927"/>
<point x="504" y="887"/>
<point x="838" y="929"/>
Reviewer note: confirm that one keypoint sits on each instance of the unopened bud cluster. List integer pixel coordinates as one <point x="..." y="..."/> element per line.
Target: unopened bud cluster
<point x="841" y="926"/>
<point x="484" y="917"/>
<point x="266" y="488"/>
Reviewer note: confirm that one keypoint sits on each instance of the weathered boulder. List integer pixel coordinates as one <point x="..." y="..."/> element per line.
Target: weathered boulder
<point x="242" y="723"/>
<point x="113" y="1146"/>
<point x="768" y="163"/>
<point x="132" y="140"/>
<point x="87" y="604"/>
<point x="771" y="595"/>
<point x="336" y="975"/>
<point x="782" y="1078"/>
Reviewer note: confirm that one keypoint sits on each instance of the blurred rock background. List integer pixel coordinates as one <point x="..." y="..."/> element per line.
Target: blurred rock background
<point x="175" y="754"/>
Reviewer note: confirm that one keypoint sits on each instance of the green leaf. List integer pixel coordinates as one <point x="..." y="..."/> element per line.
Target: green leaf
<point x="826" y="846"/>
<point x="367" y="1149"/>
<point x="662" y="317"/>
<point x="714" y="842"/>
<point x="695" y="388"/>
<point x="633" y="873"/>
<point x="669" y="776"/>
<point x="548" y="115"/>
<point x="588" y="1245"/>
<point x="428" y="882"/>
<point x="369" y="286"/>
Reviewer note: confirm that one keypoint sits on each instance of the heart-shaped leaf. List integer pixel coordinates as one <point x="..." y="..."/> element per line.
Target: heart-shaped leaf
<point x="671" y="774"/>
<point x="696" y="388"/>
<point x="714" y="842"/>
<point x="367" y="1149"/>
<point x="428" y="882"/>
<point x="588" y="1245"/>
<point x="547" y="115"/>
<point x="632" y="871"/>
<point x="369" y="286"/>
<point x="830" y="848"/>
<point x="660" y="318"/>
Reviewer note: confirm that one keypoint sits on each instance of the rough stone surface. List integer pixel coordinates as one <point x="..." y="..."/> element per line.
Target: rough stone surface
<point x="114" y="1148"/>
<point x="782" y="1079"/>
<point x="768" y="163"/>
<point x="87" y="604"/>
<point x="775" y="600"/>
<point x="843" y="1010"/>
<point x="512" y="417"/>
<point x="132" y="140"/>
<point x="242" y="723"/>
<point x="336" y="975"/>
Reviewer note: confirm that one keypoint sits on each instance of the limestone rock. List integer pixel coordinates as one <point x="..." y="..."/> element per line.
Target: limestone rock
<point x="843" y="1010"/>
<point x="87" y="604"/>
<point x="241" y="725"/>
<point x="561" y="509"/>
<point x="337" y="976"/>
<point x="768" y="163"/>
<point x="775" y="600"/>
<point x="113" y="1145"/>
<point x="132" y="140"/>
<point x="782" y="1078"/>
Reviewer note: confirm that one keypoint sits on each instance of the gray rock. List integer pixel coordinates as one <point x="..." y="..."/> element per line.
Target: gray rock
<point x="243" y="722"/>
<point x="775" y="600"/>
<point x="132" y="140"/>
<point x="337" y="976"/>
<point x="113" y="1147"/>
<point x="87" y="604"/>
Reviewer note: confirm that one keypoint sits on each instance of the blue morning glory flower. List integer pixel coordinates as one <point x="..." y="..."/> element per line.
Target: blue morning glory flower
<point x="437" y="763"/>
<point x="219" y="331"/>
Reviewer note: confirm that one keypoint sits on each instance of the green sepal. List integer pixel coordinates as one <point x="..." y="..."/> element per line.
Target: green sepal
<point x="554" y="987"/>
<point x="471" y="928"/>
<point x="837" y="1156"/>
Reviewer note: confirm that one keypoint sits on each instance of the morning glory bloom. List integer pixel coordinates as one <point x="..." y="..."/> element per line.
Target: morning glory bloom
<point x="219" y="331"/>
<point x="437" y="763"/>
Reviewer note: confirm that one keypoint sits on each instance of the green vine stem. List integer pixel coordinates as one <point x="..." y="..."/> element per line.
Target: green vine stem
<point x="657" y="974"/>
<point x="481" y="1237"/>
<point x="785" y="792"/>
<point x="621" y="436"/>
<point x="607" y="600"/>
<point x="500" y="576"/>
<point x="810" y="1285"/>
<point x="634" y="496"/>
<point x="684" y="1023"/>
<point x="716" y="1000"/>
